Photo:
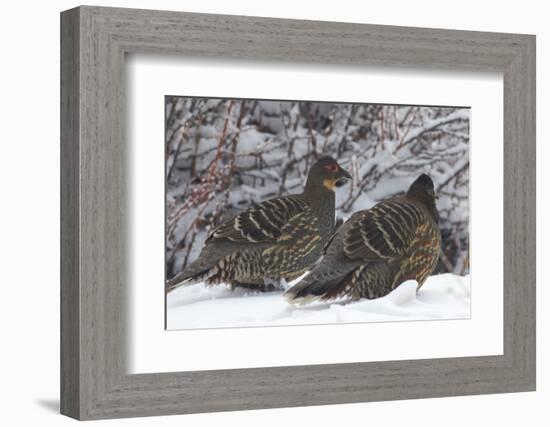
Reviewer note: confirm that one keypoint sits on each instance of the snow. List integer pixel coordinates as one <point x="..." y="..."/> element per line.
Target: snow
<point x="444" y="296"/>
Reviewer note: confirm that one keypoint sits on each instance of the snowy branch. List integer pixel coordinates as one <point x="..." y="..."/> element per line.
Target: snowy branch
<point x="223" y="155"/>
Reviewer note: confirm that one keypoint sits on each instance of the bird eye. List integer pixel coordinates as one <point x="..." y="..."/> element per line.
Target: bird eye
<point x="332" y="167"/>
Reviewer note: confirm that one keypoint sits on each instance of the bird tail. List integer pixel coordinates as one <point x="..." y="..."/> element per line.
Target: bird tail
<point x="198" y="271"/>
<point x="324" y="282"/>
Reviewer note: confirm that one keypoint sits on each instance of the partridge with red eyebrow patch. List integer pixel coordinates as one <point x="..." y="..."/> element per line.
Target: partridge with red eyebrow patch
<point x="280" y="238"/>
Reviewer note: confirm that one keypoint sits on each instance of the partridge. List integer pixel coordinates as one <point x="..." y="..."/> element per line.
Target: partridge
<point x="278" y="239"/>
<point x="378" y="249"/>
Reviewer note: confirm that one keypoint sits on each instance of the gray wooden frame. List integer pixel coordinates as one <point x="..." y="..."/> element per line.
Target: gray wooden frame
<point x="94" y="383"/>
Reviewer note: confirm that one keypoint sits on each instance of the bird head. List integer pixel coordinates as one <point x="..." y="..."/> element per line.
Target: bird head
<point x="423" y="189"/>
<point x="327" y="172"/>
<point x="423" y="185"/>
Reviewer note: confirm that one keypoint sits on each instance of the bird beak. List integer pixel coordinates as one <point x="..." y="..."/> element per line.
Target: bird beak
<point x="344" y="174"/>
<point x="342" y="177"/>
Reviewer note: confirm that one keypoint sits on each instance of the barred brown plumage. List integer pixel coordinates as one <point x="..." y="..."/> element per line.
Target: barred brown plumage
<point x="280" y="238"/>
<point x="378" y="249"/>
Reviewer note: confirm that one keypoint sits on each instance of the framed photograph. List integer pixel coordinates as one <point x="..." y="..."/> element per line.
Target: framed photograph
<point x="236" y="167"/>
<point x="262" y="213"/>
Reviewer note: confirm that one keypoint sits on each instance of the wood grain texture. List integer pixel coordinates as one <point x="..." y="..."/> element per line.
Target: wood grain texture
<point x="70" y="292"/>
<point x="94" y="382"/>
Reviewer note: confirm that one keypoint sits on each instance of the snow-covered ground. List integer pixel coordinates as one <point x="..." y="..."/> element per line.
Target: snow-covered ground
<point x="444" y="296"/>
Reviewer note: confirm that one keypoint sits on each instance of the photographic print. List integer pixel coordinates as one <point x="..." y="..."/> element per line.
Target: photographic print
<point x="282" y="212"/>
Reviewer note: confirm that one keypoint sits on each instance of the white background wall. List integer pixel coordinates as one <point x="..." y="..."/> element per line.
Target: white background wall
<point x="29" y="225"/>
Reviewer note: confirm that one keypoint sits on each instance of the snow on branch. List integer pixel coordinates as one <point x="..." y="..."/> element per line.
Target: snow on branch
<point x="223" y="155"/>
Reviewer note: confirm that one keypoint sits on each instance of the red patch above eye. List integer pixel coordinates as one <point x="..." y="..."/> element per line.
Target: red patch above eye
<point x="332" y="168"/>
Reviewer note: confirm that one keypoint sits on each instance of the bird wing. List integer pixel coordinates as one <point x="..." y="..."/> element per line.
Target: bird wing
<point x="383" y="232"/>
<point x="263" y="223"/>
<point x="299" y="238"/>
